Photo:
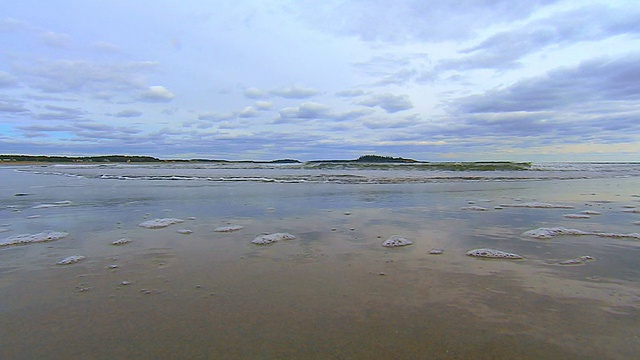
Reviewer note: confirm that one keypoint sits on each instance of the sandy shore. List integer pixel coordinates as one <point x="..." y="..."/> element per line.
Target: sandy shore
<point x="332" y="292"/>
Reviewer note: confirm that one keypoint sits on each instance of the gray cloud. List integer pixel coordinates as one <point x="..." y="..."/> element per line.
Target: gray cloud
<point x="308" y="110"/>
<point x="7" y="80"/>
<point x="79" y="75"/>
<point x="350" y="93"/>
<point x="504" y="50"/>
<point x="211" y="116"/>
<point x="294" y="92"/>
<point x="595" y="80"/>
<point x="128" y="113"/>
<point x="389" y="102"/>
<point x="12" y="108"/>
<point x="156" y="93"/>
<point x="404" y="20"/>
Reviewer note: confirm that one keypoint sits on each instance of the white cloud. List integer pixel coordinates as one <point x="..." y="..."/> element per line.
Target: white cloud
<point x="263" y="105"/>
<point x="7" y="80"/>
<point x="248" y="112"/>
<point x="389" y="102"/>
<point x="57" y="40"/>
<point x="157" y="93"/>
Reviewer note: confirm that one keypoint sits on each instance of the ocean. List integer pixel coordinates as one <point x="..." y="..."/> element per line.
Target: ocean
<point x="186" y="289"/>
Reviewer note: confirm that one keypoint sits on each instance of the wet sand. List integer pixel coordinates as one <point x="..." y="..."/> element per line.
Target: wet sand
<point x="333" y="292"/>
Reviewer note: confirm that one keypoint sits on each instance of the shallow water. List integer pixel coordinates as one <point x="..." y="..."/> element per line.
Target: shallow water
<point x="334" y="292"/>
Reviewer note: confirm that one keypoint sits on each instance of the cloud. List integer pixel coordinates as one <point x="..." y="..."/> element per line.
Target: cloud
<point x="263" y="105"/>
<point x="6" y="107"/>
<point x="308" y="110"/>
<point x="248" y="112"/>
<point x="156" y="93"/>
<point x="11" y="24"/>
<point x="7" y="80"/>
<point x="407" y="20"/>
<point x="596" y="80"/>
<point x="503" y="50"/>
<point x="217" y="116"/>
<point x="105" y="47"/>
<point x="57" y="40"/>
<point x="350" y="93"/>
<point x="255" y="93"/>
<point x="59" y="113"/>
<point x="128" y="113"/>
<point x="80" y="75"/>
<point x="295" y="92"/>
<point x="389" y="102"/>
<point x="387" y="123"/>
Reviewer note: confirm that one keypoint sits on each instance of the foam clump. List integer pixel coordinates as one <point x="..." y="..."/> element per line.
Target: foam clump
<point x="577" y="261"/>
<point x="185" y="231"/>
<point x="590" y="212"/>
<point x="55" y="204"/>
<point x="633" y="211"/>
<point x="70" y="260"/>
<point x="33" y="238"/>
<point x="493" y="254"/>
<point x="396" y="241"/>
<point x="577" y="216"/>
<point x="228" y="228"/>
<point x="271" y="238"/>
<point x="548" y="233"/>
<point x="121" y="241"/>
<point x="474" y="208"/>
<point x="540" y="205"/>
<point x="160" y="223"/>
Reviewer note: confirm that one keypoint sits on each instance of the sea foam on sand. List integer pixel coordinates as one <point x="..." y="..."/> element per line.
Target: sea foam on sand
<point x="24" y="239"/>
<point x="70" y="260"/>
<point x="493" y="254"/>
<point x="160" y="223"/>
<point x="228" y="228"/>
<point x="548" y="233"/>
<point x="539" y="205"/>
<point x="395" y="241"/>
<point x="271" y="238"/>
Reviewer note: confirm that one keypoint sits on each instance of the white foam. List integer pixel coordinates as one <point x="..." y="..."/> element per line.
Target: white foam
<point x="493" y="254"/>
<point x="271" y="238"/>
<point x="590" y="212"/>
<point x="395" y="241"/>
<point x="185" y="231"/>
<point x="228" y="228"/>
<point x="70" y="260"/>
<point x="121" y="241"/>
<point x="577" y="216"/>
<point x="33" y="238"/>
<point x="54" y="204"/>
<point x="160" y="223"/>
<point x="540" y="205"/>
<point x="577" y="261"/>
<point x="548" y="233"/>
<point x="474" y="208"/>
<point x="633" y="211"/>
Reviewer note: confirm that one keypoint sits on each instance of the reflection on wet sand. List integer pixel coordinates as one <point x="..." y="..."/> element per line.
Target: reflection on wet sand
<point x="332" y="292"/>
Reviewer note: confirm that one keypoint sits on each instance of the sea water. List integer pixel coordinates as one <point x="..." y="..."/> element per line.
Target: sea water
<point x="185" y="290"/>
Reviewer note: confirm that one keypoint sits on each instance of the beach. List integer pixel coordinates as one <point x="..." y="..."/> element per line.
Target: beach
<point x="182" y="289"/>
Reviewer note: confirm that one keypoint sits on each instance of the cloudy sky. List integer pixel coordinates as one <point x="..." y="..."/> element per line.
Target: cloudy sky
<point x="439" y="80"/>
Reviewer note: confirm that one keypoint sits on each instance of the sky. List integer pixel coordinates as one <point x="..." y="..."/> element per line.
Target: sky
<point x="465" y="80"/>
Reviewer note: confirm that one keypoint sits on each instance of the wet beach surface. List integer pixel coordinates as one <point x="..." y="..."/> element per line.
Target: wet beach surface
<point x="334" y="291"/>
